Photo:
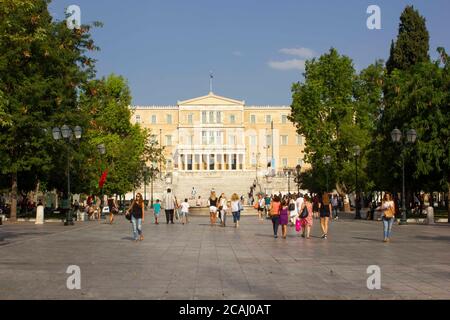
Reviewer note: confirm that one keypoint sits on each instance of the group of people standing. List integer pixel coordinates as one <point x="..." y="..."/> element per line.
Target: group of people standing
<point x="222" y="206"/>
<point x="297" y="210"/>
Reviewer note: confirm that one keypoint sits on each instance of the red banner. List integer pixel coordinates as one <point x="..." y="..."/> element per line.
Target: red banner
<point x="103" y="179"/>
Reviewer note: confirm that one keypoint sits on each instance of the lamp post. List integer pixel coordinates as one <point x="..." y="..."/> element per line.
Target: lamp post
<point x="145" y="170"/>
<point x="288" y="171"/>
<point x="102" y="151"/>
<point x="357" y="153"/>
<point x="65" y="132"/>
<point x="327" y="161"/>
<point x="298" y="170"/>
<point x="411" y="137"/>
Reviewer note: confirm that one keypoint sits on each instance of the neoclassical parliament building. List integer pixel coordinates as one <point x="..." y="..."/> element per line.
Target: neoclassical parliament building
<point x="215" y="142"/>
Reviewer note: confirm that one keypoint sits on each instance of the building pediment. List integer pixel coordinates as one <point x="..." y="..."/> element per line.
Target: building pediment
<point x="211" y="100"/>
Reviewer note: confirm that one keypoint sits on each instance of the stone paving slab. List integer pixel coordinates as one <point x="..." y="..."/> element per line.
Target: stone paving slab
<point x="198" y="262"/>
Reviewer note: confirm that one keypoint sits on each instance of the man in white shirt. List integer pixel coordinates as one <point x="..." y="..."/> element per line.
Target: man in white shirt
<point x="299" y="203"/>
<point x="169" y="205"/>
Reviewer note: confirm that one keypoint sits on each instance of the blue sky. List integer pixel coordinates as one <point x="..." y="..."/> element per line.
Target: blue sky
<point x="166" y="48"/>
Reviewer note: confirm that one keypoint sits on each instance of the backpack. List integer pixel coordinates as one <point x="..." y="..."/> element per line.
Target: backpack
<point x="304" y="213"/>
<point x="291" y="206"/>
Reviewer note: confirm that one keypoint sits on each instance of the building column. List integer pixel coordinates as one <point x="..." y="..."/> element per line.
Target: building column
<point x="179" y="162"/>
<point x="207" y="162"/>
<point x="193" y="161"/>
<point x="223" y="161"/>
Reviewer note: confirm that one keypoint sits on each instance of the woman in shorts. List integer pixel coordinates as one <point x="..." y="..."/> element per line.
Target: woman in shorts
<point x="213" y="207"/>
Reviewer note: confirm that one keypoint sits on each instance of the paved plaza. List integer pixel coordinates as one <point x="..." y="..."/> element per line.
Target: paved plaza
<point x="198" y="261"/>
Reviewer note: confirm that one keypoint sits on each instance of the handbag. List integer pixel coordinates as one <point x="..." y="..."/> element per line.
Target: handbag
<point x="298" y="225"/>
<point x="305" y="213"/>
<point x="128" y="216"/>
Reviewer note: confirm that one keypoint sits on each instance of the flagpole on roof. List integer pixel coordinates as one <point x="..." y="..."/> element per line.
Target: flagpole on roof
<point x="211" y="77"/>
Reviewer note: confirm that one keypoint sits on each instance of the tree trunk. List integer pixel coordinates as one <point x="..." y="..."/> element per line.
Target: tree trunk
<point x="448" y="201"/>
<point x="13" y="214"/>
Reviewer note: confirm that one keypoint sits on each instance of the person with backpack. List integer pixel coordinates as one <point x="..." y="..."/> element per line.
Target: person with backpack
<point x="388" y="216"/>
<point x="306" y="217"/>
<point x="260" y="207"/>
<point x="236" y="208"/>
<point x="293" y="210"/>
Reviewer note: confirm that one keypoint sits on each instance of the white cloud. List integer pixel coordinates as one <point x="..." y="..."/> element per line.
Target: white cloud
<point x="300" y="52"/>
<point x="293" y="64"/>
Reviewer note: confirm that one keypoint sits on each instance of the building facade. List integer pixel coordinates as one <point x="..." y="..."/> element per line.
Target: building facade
<point x="214" y="142"/>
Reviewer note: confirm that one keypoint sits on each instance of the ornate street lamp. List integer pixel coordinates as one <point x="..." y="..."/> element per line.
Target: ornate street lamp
<point x="327" y="161"/>
<point x="298" y="170"/>
<point x="102" y="151"/>
<point x="411" y="137"/>
<point x="357" y="153"/>
<point x="65" y="132"/>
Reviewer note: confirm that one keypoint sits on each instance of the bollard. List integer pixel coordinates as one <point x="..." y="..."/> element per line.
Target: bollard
<point x="40" y="215"/>
<point x="430" y="215"/>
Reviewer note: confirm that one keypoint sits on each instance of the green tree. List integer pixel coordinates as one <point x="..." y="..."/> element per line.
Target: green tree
<point x="412" y="45"/>
<point x="334" y="110"/>
<point x="42" y="64"/>
<point x="128" y="146"/>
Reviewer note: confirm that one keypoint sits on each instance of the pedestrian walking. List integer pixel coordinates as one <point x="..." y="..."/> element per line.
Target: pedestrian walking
<point x="284" y="217"/>
<point x="293" y="210"/>
<point x="306" y="217"/>
<point x="315" y="202"/>
<point x="274" y="213"/>
<point x="157" y="210"/>
<point x="267" y="201"/>
<point x="170" y="205"/>
<point x="261" y="207"/>
<point x="184" y="211"/>
<point x="325" y="213"/>
<point x="236" y="209"/>
<point x="228" y="211"/>
<point x="212" y="207"/>
<point x="136" y="210"/>
<point x="223" y="209"/>
<point x="388" y="216"/>
<point x="335" y="206"/>
<point x="113" y="209"/>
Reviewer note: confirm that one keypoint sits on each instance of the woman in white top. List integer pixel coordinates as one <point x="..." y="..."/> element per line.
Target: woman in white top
<point x="236" y="209"/>
<point x="388" y="215"/>
<point x="223" y="209"/>
<point x="293" y="210"/>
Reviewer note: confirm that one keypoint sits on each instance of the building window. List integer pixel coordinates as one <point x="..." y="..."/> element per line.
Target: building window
<point x="253" y="141"/>
<point x="299" y="140"/>
<point x="284" y="119"/>
<point x="219" y="117"/>
<point x="252" y="119"/>
<point x="268" y="140"/>
<point x="168" y="140"/>
<point x="138" y="118"/>
<point x="154" y="119"/>
<point x="211" y="137"/>
<point x="211" y="117"/>
<point x="285" y="162"/>
<point x="268" y="119"/>
<point x="284" y="140"/>
<point x="232" y="118"/>
<point x="204" y="138"/>
<point x="190" y="140"/>
<point x="219" y="137"/>
<point x="204" y="120"/>
<point x="190" y="118"/>
<point x="253" y="159"/>
<point x="169" y="119"/>
<point x="300" y="162"/>
<point x="232" y="140"/>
